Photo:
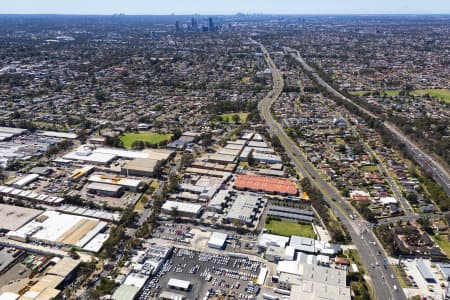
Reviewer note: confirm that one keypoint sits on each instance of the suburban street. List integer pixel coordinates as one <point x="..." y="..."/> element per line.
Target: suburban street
<point x="423" y="159"/>
<point x="369" y="249"/>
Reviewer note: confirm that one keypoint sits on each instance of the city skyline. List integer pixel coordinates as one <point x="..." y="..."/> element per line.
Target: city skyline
<point x="141" y="7"/>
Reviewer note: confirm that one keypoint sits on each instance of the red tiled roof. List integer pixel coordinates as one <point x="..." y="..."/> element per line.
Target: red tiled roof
<point x="266" y="184"/>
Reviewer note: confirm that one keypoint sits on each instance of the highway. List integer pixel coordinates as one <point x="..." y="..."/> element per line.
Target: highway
<point x="372" y="254"/>
<point x="440" y="175"/>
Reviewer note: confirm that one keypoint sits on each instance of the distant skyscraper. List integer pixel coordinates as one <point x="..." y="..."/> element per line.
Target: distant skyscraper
<point x="194" y="24"/>
<point x="211" y="25"/>
<point x="177" y="26"/>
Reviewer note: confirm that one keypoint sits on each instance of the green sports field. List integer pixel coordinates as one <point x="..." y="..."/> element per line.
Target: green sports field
<point x="438" y="94"/>
<point x="146" y="136"/>
<point x="229" y="117"/>
<point x="286" y="228"/>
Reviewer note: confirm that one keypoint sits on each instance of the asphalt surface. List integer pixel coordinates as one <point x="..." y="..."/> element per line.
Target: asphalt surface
<point x="411" y="218"/>
<point x="438" y="172"/>
<point x="370" y="250"/>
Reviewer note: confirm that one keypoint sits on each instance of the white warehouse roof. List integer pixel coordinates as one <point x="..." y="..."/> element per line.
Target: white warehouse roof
<point x="177" y="283"/>
<point x="217" y="240"/>
<point x="182" y="207"/>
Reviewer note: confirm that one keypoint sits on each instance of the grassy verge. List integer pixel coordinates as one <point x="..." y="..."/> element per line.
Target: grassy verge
<point x="140" y="205"/>
<point x="354" y="257"/>
<point x="286" y="228"/>
<point x="402" y="277"/>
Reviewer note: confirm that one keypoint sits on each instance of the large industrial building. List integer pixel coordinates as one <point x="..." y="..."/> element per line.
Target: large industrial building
<point x="179" y="284"/>
<point x="58" y="228"/>
<point x="309" y="281"/>
<point x="49" y="286"/>
<point x="290" y="213"/>
<point x="110" y="190"/>
<point x="183" y="209"/>
<point x="217" y="240"/>
<point x="24" y="181"/>
<point x="104" y="156"/>
<point x="133" y="185"/>
<point x="245" y="209"/>
<point x="268" y="185"/>
<point x="139" y="167"/>
<point x="13" y="217"/>
<point x="30" y="195"/>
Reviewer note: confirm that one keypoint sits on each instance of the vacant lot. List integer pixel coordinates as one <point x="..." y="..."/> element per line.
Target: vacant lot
<point x="229" y="117"/>
<point x="151" y="137"/>
<point x="286" y="228"/>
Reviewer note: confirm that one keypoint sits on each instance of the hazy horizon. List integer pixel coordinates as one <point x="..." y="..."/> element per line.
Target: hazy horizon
<point x="205" y="7"/>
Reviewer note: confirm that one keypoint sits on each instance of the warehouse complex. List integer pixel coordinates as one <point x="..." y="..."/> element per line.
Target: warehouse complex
<point x="58" y="228"/>
<point x="265" y="184"/>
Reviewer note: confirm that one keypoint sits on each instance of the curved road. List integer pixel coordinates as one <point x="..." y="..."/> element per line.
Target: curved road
<point x="371" y="252"/>
<point x="423" y="159"/>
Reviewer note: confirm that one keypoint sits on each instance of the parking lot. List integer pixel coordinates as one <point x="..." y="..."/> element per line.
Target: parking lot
<point x="209" y="274"/>
<point x="420" y="286"/>
<point x="197" y="236"/>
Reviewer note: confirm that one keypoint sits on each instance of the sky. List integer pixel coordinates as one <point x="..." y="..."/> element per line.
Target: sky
<point x="158" y="7"/>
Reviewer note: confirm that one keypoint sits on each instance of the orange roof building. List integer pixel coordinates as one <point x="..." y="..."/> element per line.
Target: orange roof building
<point x="269" y="185"/>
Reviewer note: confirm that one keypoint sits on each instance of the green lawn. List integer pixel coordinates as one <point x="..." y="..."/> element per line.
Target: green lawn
<point x="146" y="136"/>
<point x="442" y="241"/>
<point x="440" y="94"/>
<point x="389" y="92"/>
<point x="286" y="228"/>
<point x="229" y="117"/>
<point x="369" y="168"/>
<point x="401" y="276"/>
<point x="353" y="255"/>
<point x="340" y="141"/>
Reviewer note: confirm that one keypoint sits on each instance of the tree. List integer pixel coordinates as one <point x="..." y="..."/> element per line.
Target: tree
<point x="128" y="216"/>
<point x="138" y="145"/>
<point x="206" y="139"/>
<point x="174" y="213"/>
<point x="251" y="159"/>
<point x="186" y="160"/>
<point x="173" y="182"/>
<point x="236" y="118"/>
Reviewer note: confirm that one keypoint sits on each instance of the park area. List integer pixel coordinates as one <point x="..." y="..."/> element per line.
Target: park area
<point x="153" y="138"/>
<point x="438" y="94"/>
<point x="287" y="228"/>
<point x="230" y="118"/>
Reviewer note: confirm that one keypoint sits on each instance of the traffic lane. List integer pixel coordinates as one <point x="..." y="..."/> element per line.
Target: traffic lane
<point x="288" y="145"/>
<point x="366" y="248"/>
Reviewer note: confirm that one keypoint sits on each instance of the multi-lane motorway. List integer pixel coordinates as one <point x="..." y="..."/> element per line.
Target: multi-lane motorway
<point x="438" y="172"/>
<point x="386" y="286"/>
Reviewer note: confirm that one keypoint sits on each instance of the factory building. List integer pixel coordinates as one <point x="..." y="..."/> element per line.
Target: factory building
<point x="184" y="209"/>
